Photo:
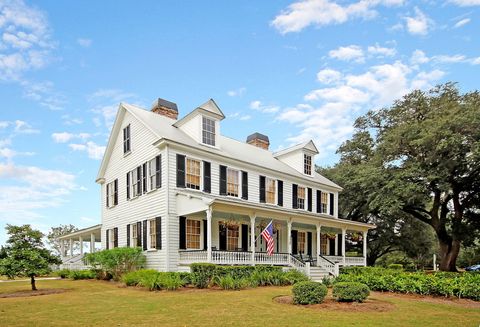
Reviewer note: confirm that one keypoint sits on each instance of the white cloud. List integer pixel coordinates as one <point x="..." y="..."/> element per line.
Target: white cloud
<point x="449" y="58"/>
<point x="381" y="51"/>
<point x="238" y="92"/>
<point x="476" y="61"/>
<point x="424" y="80"/>
<point x="419" y="57"/>
<point x="64" y="137"/>
<point x="107" y="101"/>
<point x="466" y="3"/>
<point x="4" y="124"/>
<point x="44" y="94"/>
<point x="302" y="14"/>
<point x="420" y="24"/>
<point x="461" y="23"/>
<point x="9" y="154"/>
<point x="240" y="116"/>
<point x="351" y="52"/>
<point x="259" y="106"/>
<point x="94" y="151"/>
<point x="83" y="42"/>
<point x="22" y="127"/>
<point x="328" y="76"/>
<point x="344" y="93"/>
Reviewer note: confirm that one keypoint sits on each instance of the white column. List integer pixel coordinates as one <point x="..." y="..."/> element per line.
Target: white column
<point x="209" y="234"/>
<point x="81" y="244"/>
<point x="344" y="231"/>
<point x="336" y="245"/>
<point x="92" y="243"/>
<point x="71" y="247"/>
<point x="252" y="237"/>
<point x="289" y="236"/>
<point x="365" y="248"/>
<point x="62" y="248"/>
<point x="319" y="228"/>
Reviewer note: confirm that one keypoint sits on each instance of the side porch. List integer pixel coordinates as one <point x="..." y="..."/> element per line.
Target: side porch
<point x="74" y="246"/>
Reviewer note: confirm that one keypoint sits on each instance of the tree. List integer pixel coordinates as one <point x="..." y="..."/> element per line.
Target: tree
<point x="26" y="254"/>
<point x="56" y="232"/>
<point x="423" y="159"/>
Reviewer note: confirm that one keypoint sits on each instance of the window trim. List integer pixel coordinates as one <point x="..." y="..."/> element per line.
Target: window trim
<point x="133" y="240"/>
<point x="327" y="195"/>
<point x="238" y="236"/>
<point x="305" y="156"/>
<point x="202" y="130"/>
<point x="304" y="241"/>
<point x="200" y="243"/>
<point x="127" y="140"/>
<point x="275" y="191"/>
<point x="110" y="189"/>
<point x="305" y="207"/>
<point x="200" y="175"/>
<point x="111" y="238"/>
<point x="151" y="222"/>
<point x="239" y="183"/>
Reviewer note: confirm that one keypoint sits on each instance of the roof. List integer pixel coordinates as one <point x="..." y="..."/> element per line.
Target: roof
<point x="210" y="107"/>
<point x="85" y="233"/>
<point x="308" y="145"/>
<point x="257" y="136"/>
<point x="165" y="103"/>
<point x="163" y="128"/>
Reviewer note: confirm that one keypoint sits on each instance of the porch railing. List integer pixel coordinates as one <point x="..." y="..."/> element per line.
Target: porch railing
<point x="331" y="267"/>
<point x="349" y="261"/>
<point x="193" y="256"/>
<point x="231" y="257"/>
<point x="275" y="259"/>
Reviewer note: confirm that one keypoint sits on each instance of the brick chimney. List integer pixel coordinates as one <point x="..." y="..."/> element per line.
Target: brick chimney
<point x="165" y="108"/>
<point x="258" y="140"/>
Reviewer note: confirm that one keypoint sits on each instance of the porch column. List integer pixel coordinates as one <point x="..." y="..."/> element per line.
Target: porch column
<point x="209" y="234"/>
<point x="289" y="236"/>
<point x="80" y="239"/>
<point x="71" y="247"/>
<point x="319" y="227"/>
<point x="336" y="245"/>
<point x="365" y="248"/>
<point x="92" y="243"/>
<point x="344" y="231"/>
<point x="62" y="248"/>
<point x="252" y="237"/>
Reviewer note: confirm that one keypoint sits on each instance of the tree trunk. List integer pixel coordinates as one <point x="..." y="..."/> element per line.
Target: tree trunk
<point x="449" y="250"/>
<point x="32" y="282"/>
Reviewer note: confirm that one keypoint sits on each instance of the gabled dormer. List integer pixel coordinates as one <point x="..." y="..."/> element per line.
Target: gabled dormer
<point x="203" y="123"/>
<point x="301" y="157"/>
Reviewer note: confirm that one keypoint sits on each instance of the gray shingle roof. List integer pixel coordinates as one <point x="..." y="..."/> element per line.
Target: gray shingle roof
<point x="257" y="136"/>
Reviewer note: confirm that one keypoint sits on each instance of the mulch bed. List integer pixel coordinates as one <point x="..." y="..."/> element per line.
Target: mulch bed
<point x="330" y="304"/>
<point x="46" y="291"/>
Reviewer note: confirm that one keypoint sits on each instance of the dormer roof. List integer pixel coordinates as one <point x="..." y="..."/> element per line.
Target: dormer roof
<point x="210" y="107"/>
<point x="309" y="146"/>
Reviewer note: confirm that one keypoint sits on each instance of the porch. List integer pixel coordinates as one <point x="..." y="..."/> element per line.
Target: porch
<point x="74" y="245"/>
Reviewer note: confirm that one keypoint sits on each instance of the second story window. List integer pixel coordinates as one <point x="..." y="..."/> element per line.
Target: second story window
<point x="324" y="202"/>
<point x="112" y="193"/>
<point x="126" y="139"/>
<point x="232" y="182"/>
<point x="270" y="190"/>
<point x="301" y="197"/>
<point x="307" y="164"/>
<point x="208" y="131"/>
<point x="192" y="174"/>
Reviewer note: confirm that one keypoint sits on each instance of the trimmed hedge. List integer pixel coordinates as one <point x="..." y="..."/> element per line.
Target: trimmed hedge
<point x="63" y="273"/>
<point x="309" y="293"/>
<point x="395" y="266"/>
<point x="350" y="292"/>
<point x="81" y="274"/>
<point x="155" y="280"/>
<point x="462" y="285"/>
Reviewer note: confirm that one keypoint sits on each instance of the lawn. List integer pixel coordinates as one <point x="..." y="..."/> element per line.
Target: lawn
<point x="90" y="303"/>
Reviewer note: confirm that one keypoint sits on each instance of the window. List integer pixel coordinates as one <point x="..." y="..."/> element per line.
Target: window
<point x="270" y="190"/>
<point x="134" y="238"/>
<point x="111" y="238"/>
<point x="126" y="139"/>
<point x="153" y="234"/>
<point x="208" y="131"/>
<point x="135" y="180"/>
<point x="307" y="164"/>
<point x="232" y="182"/>
<point x="193" y="174"/>
<point x="232" y="238"/>
<point x="301" y="197"/>
<point x="323" y="244"/>
<point x="111" y="194"/>
<point x="301" y="242"/>
<point x="152" y="174"/>
<point x="323" y="202"/>
<point x="193" y="234"/>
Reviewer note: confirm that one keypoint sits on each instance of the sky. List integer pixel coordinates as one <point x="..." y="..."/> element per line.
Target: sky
<point x="293" y="70"/>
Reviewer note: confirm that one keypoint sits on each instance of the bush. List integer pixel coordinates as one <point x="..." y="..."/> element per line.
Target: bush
<point x="228" y="282"/>
<point x="327" y="281"/>
<point x="63" y="273"/>
<point x="116" y="262"/>
<point x="395" y="266"/>
<point x="202" y="274"/>
<point x="309" y="293"/>
<point x="155" y="280"/>
<point x="294" y="276"/>
<point x="350" y="292"/>
<point x="81" y="274"/>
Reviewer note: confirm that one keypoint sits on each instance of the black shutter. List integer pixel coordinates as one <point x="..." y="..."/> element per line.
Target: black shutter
<point x="332" y="247"/>
<point x="115" y="237"/>
<point x="294" y="242"/>
<point x="309" y="243"/>
<point x="294" y="196"/>
<point x="205" y="235"/>
<point x="144" y="177"/>
<point x="107" y="239"/>
<point x="144" y="235"/>
<point x="115" y="192"/>
<point x="107" y="193"/>
<point x="207" y="177"/>
<point x="244" y="185"/>
<point x="139" y="180"/>
<point x="158" y="171"/>
<point x="262" y="189"/>
<point x="332" y="203"/>
<point x="244" y="237"/>
<point x="319" y="201"/>
<point x="222" y="231"/>
<point x="128" y="235"/>
<point x="309" y="208"/>
<point x="183" y="232"/>
<point x="139" y="234"/>
<point x="180" y="170"/>
<point x="128" y="186"/>
<point x="158" y="230"/>
<point x="223" y="180"/>
<point x="280" y="193"/>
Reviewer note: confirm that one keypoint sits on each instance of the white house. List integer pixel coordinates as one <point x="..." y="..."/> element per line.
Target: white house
<point x="185" y="193"/>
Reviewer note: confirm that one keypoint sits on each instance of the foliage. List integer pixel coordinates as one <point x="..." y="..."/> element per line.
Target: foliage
<point x="117" y="261"/>
<point x="309" y="293"/>
<point x="82" y="274"/>
<point x="63" y="273"/>
<point x="396" y="266"/>
<point x="469" y="256"/>
<point x="25" y="254"/>
<point x="202" y="274"/>
<point x="55" y="233"/>
<point x="155" y="280"/>
<point x="350" y="292"/>
<point x="328" y="281"/>
<point x="464" y="285"/>
<point x="228" y="282"/>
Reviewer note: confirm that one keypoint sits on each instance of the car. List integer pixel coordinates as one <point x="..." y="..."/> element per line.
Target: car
<point x="473" y="268"/>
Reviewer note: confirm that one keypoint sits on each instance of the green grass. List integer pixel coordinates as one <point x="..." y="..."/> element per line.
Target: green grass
<point x="93" y="303"/>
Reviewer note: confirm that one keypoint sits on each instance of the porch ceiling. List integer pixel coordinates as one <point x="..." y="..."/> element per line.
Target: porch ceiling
<point x="85" y="234"/>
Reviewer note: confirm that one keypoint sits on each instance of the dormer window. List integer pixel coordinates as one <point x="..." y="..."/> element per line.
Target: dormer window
<point x="126" y="139"/>
<point x="208" y="131"/>
<point x="307" y="164"/>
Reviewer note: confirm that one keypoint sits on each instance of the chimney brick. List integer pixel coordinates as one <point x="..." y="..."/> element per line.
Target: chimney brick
<point x="259" y="140"/>
<point x="165" y="108"/>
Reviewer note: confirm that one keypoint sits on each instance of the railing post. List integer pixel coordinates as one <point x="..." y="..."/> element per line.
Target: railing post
<point x="344" y="231"/>
<point x="92" y="243"/>
<point x="209" y="234"/>
<point x="307" y="268"/>
<point x="252" y="237"/>
<point x="336" y="269"/>
<point x="365" y="248"/>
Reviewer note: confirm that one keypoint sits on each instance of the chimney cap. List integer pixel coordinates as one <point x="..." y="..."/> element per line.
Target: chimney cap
<point x="257" y="136"/>
<point x="164" y="103"/>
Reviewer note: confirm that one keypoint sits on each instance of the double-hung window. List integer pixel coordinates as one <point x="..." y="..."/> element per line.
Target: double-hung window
<point x="301" y="242"/>
<point x="126" y="139"/>
<point x="270" y="190"/>
<point x="208" y="131"/>
<point x="135" y="180"/>
<point x="134" y="238"/>
<point x="192" y="174"/>
<point x="112" y="195"/>
<point x="153" y="234"/>
<point x="111" y="238"/>
<point x="232" y="182"/>
<point x="324" y="202"/>
<point x="301" y="197"/>
<point x="232" y="238"/>
<point x="307" y="164"/>
<point x="193" y="234"/>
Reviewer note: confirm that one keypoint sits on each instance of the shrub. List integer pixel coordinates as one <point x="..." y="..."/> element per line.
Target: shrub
<point x="202" y="274"/>
<point x="116" y="262"/>
<point x="395" y="266"/>
<point x="309" y="293"/>
<point x="350" y="292"/>
<point x="227" y="282"/>
<point x="327" y="281"/>
<point x="171" y="281"/>
<point x="63" y="273"/>
<point x="294" y="276"/>
<point x="186" y="277"/>
<point x="81" y="274"/>
<point x="150" y="279"/>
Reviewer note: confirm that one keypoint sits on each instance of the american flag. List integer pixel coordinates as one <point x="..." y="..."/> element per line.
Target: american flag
<point x="267" y="234"/>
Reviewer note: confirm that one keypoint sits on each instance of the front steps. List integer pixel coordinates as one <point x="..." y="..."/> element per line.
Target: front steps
<point x="317" y="273"/>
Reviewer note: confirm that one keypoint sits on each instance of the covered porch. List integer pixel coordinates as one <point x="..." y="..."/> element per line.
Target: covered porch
<point x="74" y="245"/>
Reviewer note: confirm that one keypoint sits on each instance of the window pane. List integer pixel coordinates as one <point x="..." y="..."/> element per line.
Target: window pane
<point x="153" y="234"/>
<point x="270" y="190"/>
<point x="193" y="234"/>
<point x="307" y="164"/>
<point x="232" y="238"/>
<point x="232" y="182"/>
<point x="301" y="242"/>
<point x="301" y="197"/>
<point x="193" y="174"/>
<point x="208" y="131"/>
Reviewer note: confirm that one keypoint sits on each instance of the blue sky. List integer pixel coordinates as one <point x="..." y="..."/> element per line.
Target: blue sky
<point x="292" y="70"/>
